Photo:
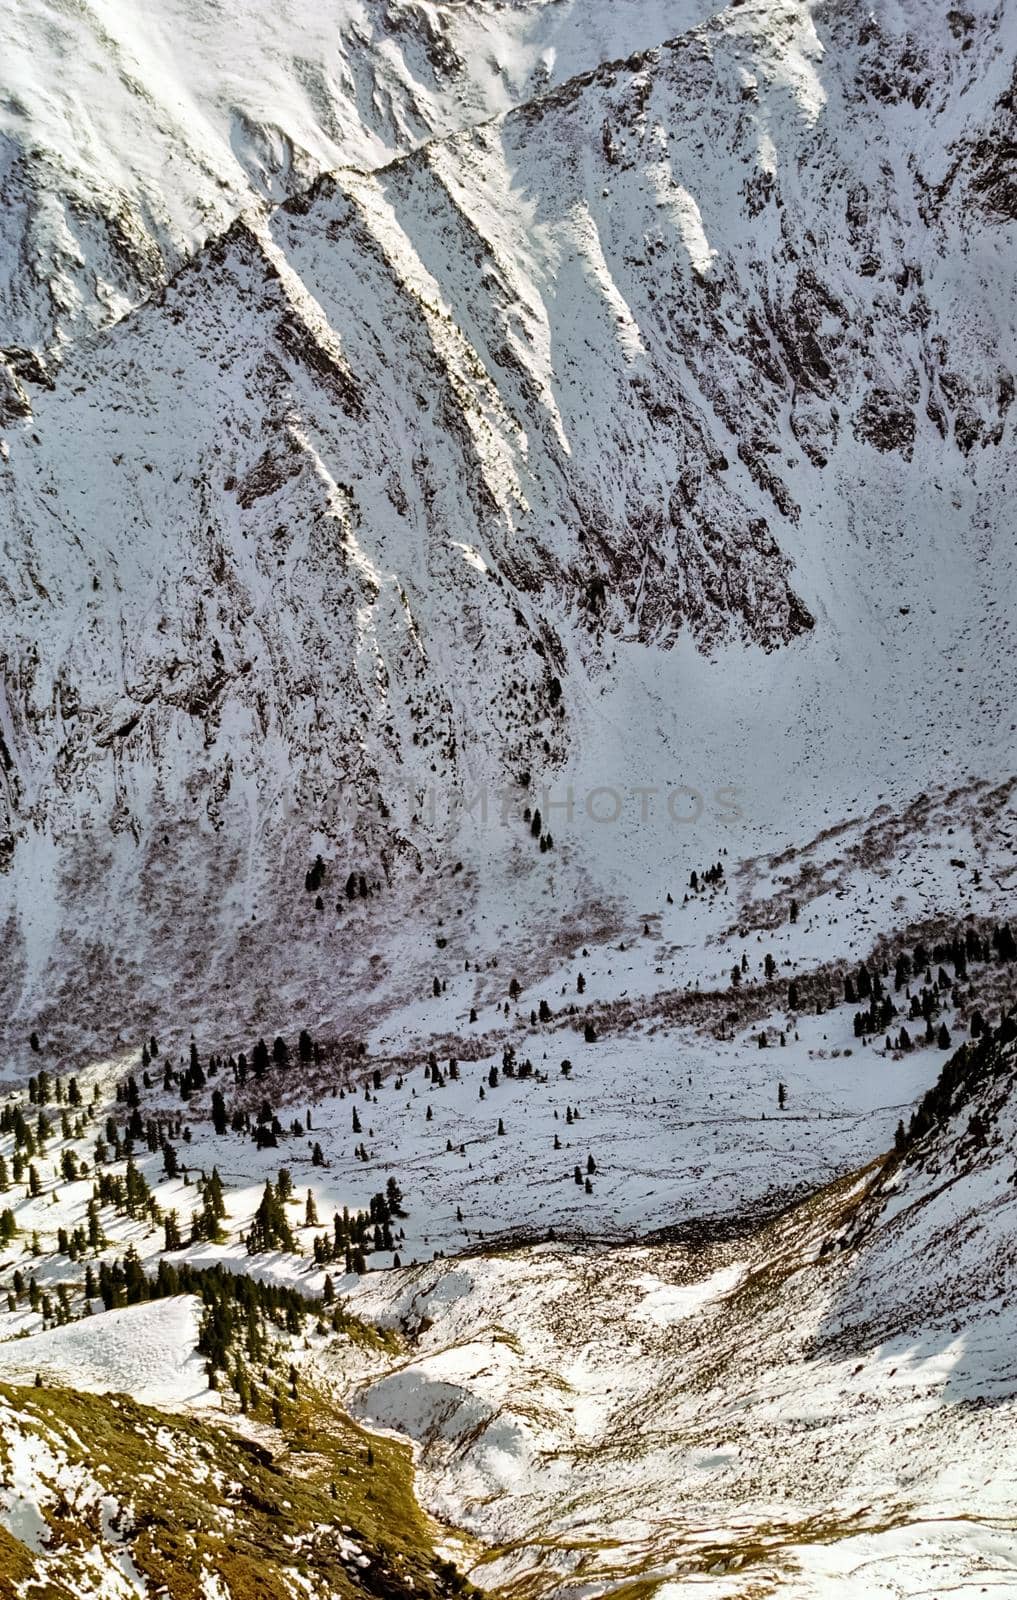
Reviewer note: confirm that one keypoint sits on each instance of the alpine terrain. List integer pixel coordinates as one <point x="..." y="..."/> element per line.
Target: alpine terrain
<point x="508" y="799"/>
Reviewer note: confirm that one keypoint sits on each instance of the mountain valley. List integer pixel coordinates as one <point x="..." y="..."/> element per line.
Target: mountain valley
<point x="507" y="770"/>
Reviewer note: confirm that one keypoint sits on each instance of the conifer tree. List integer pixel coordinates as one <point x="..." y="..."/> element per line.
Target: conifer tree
<point x="219" y="1117"/>
<point x="270" y="1229"/>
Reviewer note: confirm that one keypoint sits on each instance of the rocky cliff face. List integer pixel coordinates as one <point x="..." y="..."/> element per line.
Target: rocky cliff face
<point x="399" y="483"/>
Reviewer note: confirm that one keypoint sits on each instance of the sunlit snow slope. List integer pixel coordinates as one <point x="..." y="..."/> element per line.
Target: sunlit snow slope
<point x="128" y="136"/>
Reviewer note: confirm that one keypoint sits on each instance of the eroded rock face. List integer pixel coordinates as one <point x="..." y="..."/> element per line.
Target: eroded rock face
<point x="17" y="364"/>
<point x="14" y="402"/>
<point x="989" y="161"/>
<point x="886" y="421"/>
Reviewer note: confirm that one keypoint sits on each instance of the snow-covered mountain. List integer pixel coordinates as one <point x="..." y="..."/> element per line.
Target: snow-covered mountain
<point x="127" y="139"/>
<point x="506" y="686"/>
<point x="658" y="430"/>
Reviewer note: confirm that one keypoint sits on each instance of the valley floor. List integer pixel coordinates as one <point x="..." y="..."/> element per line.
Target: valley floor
<point x="668" y="1293"/>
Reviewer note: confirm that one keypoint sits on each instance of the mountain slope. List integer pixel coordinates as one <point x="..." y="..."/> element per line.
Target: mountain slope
<point x="522" y="456"/>
<point x="101" y="1495"/>
<point x="126" y="142"/>
<point x="822" y="1407"/>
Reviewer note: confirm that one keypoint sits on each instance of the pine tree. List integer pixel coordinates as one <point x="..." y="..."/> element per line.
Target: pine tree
<point x="270" y="1229"/>
<point x="219" y="1117"/>
<point x="214" y="1196"/>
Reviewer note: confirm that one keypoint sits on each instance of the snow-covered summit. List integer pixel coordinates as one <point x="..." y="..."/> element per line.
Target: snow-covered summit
<point x="129" y="136"/>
